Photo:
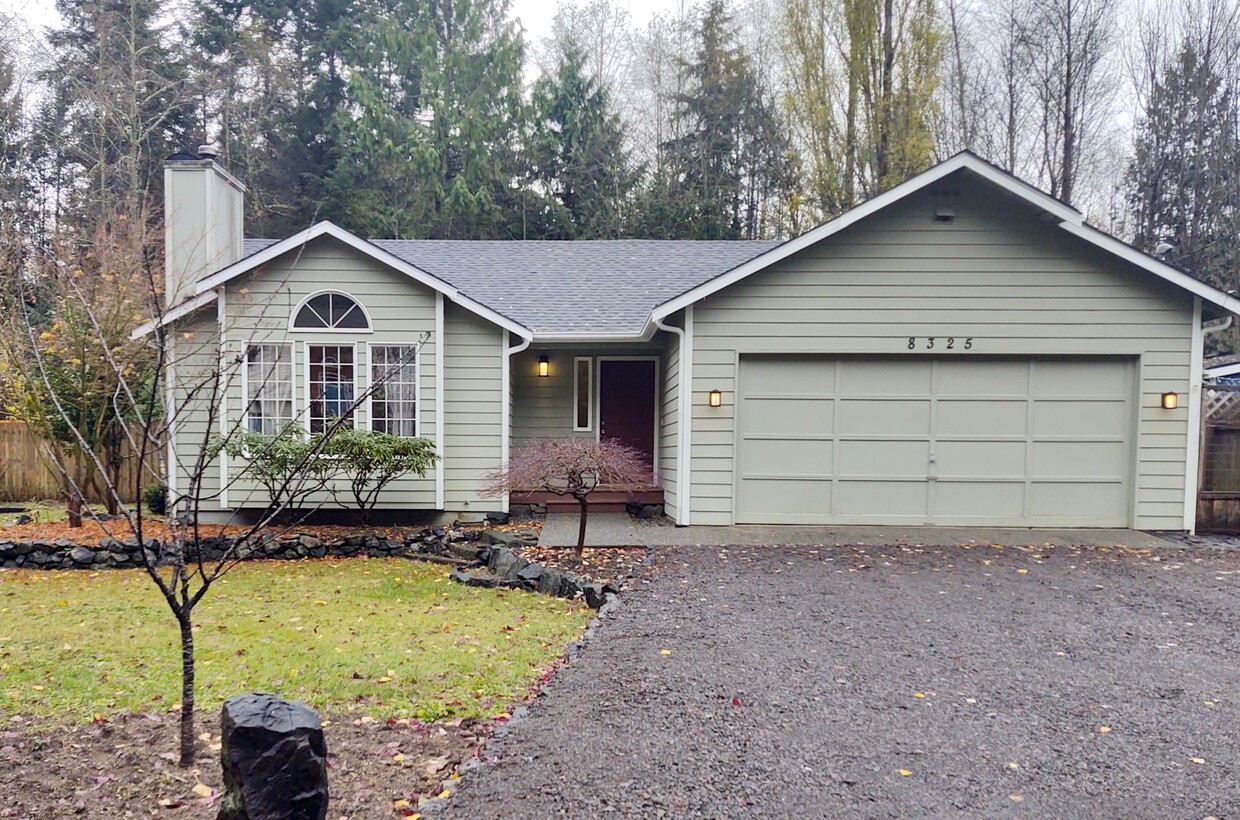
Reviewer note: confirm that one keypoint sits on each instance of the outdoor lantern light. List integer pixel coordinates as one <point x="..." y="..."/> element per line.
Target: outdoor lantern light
<point x="544" y="367"/>
<point x="716" y="398"/>
<point x="1170" y="401"/>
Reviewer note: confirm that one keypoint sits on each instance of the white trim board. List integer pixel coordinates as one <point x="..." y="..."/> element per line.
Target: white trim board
<point x="325" y="228"/>
<point x="1192" y="469"/>
<point x="440" y="403"/>
<point x="1222" y="370"/>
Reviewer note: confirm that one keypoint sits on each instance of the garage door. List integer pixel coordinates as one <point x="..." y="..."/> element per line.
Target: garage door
<point x="1001" y="442"/>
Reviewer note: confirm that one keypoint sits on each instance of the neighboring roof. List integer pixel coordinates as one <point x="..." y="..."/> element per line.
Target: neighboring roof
<point x="1068" y="218"/>
<point x="1222" y="371"/>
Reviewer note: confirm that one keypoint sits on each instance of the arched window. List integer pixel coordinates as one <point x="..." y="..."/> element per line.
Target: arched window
<point x="331" y="311"/>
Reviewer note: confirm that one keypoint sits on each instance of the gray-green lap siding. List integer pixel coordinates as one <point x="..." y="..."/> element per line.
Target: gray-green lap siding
<point x="259" y="306"/>
<point x="997" y="274"/>
<point x="473" y="407"/>
<point x="544" y="407"/>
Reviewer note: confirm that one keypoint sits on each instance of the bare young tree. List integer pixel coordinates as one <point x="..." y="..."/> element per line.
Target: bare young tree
<point x="1071" y="49"/>
<point x="175" y="420"/>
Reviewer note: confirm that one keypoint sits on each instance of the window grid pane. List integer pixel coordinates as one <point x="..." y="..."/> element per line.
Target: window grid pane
<point x="269" y="387"/>
<point x="394" y="399"/>
<point x="331" y="384"/>
<point x="331" y="311"/>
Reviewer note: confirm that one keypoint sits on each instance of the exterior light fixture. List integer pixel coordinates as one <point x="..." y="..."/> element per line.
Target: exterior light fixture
<point x="1170" y="401"/>
<point x="716" y="398"/>
<point x="544" y="367"/>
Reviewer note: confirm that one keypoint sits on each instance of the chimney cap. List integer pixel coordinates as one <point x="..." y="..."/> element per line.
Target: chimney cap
<point x="207" y="151"/>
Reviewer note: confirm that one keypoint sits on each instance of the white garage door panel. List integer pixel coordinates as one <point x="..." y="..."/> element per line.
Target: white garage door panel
<point x="955" y="441"/>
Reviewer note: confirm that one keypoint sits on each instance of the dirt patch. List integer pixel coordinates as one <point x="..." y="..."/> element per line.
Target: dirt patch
<point x="126" y="768"/>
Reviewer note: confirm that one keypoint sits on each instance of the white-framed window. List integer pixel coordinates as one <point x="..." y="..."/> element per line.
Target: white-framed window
<point x="583" y="394"/>
<point x="330" y="311"/>
<point x="394" y="389"/>
<point x="267" y="384"/>
<point x="331" y="385"/>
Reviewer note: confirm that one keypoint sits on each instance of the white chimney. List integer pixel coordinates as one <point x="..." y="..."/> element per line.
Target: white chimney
<point x="204" y="208"/>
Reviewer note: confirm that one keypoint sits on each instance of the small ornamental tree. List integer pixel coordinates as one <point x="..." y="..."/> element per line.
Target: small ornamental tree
<point x="574" y="467"/>
<point x="373" y="460"/>
<point x="289" y="465"/>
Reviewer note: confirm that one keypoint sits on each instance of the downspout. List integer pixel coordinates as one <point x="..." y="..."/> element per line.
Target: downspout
<point x="505" y="421"/>
<point x="684" y="413"/>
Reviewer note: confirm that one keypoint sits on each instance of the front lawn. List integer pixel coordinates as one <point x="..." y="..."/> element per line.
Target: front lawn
<point x="384" y="637"/>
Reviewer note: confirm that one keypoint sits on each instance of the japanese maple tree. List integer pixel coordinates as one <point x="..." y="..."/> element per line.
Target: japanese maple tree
<point x="572" y="467"/>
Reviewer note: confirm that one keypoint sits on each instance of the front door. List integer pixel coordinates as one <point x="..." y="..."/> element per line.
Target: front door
<point x="626" y="404"/>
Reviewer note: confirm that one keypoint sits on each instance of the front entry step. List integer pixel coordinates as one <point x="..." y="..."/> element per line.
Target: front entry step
<point x="600" y="500"/>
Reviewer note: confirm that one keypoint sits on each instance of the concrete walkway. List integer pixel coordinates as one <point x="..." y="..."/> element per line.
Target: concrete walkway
<point x="621" y="530"/>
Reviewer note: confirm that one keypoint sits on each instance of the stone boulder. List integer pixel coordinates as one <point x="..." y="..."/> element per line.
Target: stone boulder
<point x="274" y="760"/>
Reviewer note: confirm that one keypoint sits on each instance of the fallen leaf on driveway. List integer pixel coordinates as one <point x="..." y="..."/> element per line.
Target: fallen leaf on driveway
<point x="1104" y="729"/>
<point x="665" y="651"/>
<point x="919" y="694"/>
<point x="1023" y="571"/>
<point x="1198" y="760"/>
<point x="905" y="773"/>
<point x="1015" y="798"/>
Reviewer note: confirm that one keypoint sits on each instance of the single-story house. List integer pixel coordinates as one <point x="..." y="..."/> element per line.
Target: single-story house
<point x="962" y="349"/>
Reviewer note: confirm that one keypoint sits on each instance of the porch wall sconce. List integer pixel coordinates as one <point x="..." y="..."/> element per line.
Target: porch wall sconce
<point x="1170" y="401"/>
<point x="544" y="367"/>
<point x="716" y="398"/>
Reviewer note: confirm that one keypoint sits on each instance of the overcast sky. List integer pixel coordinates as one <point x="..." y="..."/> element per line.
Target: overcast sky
<point x="31" y="16"/>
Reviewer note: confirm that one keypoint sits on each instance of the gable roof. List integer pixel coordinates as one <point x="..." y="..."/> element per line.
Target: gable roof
<point x="1067" y="217"/>
<point x="297" y="240"/>
<point x="619" y="289"/>
<point x="564" y="289"/>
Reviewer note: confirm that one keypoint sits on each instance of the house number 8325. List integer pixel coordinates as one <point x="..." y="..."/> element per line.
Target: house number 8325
<point x="940" y="343"/>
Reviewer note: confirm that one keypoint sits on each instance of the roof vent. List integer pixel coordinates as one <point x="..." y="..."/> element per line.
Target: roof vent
<point x="207" y="151"/>
<point x="944" y="215"/>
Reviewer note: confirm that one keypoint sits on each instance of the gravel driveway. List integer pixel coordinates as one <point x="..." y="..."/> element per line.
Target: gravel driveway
<point x="892" y="681"/>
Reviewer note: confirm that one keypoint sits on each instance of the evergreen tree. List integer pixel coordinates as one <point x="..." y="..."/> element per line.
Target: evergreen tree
<point x="119" y="90"/>
<point x="577" y="155"/>
<point x="1182" y="181"/>
<point x="731" y="162"/>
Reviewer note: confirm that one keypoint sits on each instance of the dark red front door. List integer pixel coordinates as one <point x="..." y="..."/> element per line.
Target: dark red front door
<point x="626" y="393"/>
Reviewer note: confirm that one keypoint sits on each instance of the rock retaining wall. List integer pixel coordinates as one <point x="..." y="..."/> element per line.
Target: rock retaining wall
<point x="441" y="542"/>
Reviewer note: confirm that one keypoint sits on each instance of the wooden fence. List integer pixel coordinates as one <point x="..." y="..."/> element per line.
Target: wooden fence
<point x="27" y="475"/>
<point x="1218" y="493"/>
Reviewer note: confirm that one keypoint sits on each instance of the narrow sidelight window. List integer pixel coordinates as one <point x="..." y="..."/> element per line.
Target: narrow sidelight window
<point x="394" y="391"/>
<point x="268" y="387"/>
<point x="583" y="393"/>
<point x="330" y="384"/>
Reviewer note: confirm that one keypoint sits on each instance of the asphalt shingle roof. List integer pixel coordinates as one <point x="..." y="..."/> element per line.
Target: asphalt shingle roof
<point x="588" y="286"/>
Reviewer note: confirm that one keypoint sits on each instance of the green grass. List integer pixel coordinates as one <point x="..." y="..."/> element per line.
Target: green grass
<point x="383" y="637"/>
<point x="43" y="512"/>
